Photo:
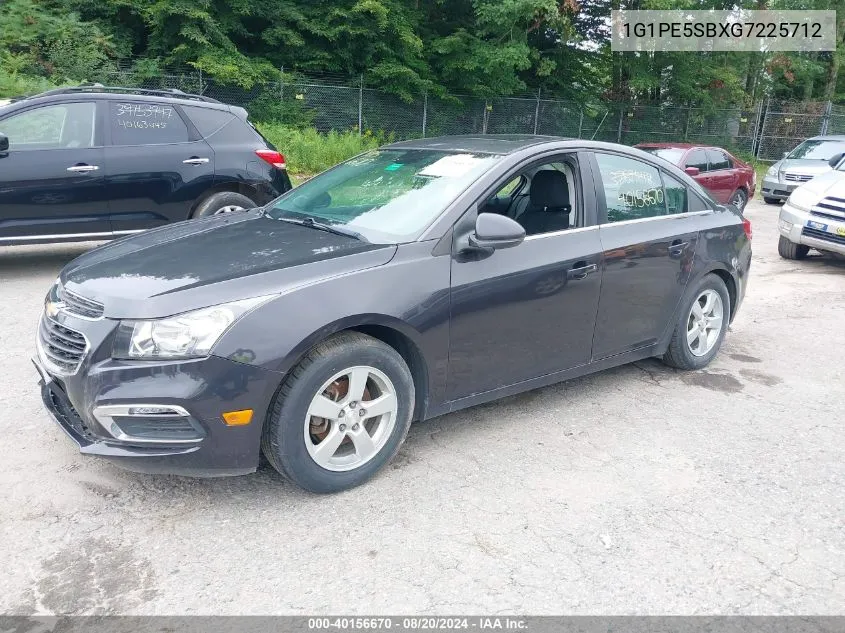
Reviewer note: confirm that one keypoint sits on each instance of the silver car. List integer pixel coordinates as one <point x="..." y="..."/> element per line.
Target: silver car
<point x="800" y="165"/>
<point x="814" y="215"/>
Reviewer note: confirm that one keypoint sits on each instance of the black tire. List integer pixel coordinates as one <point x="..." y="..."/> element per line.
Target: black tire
<point x="220" y="200"/>
<point x="283" y="441"/>
<point x="739" y="198"/>
<point x="791" y="250"/>
<point x="771" y="200"/>
<point x="679" y="353"/>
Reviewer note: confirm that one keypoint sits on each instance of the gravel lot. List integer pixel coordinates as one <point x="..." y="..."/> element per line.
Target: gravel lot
<point x="636" y="490"/>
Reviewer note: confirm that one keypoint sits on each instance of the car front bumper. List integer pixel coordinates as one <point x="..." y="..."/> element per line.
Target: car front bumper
<point x="104" y="408"/>
<point x="773" y="188"/>
<point x="819" y="232"/>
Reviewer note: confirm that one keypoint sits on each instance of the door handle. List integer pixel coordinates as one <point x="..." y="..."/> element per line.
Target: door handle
<point x="195" y="160"/>
<point x="581" y="270"/>
<point x="81" y="169"/>
<point x="677" y="247"/>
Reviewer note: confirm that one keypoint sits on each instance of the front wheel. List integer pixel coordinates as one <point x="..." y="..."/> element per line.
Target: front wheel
<point x="701" y="326"/>
<point x="341" y="414"/>
<point x="791" y="250"/>
<point x="770" y="200"/>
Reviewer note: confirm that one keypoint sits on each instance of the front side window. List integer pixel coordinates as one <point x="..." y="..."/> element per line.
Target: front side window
<point x="389" y="195"/>
<point x="66" y="125"/>
<point x="697" y="158"/>
<point x="817" y="150"/>
<point x="718" y="160"/>
<point x="145" y="124"/>
<point x="632" y="189"/>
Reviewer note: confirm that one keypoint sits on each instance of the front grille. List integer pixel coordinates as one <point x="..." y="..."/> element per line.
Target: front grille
<point x="823" y="235"/>
<point x="830" y="207"/>
<point x="80" y="306"/>
<point x="797" y="177"/>
<point x="63" y="347"/>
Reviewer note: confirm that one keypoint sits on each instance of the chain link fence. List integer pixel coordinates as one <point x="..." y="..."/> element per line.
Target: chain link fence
<point x="337" y="102"/>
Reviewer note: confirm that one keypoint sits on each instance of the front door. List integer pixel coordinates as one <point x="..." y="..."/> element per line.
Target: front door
<point x="157" y="166"/>
<point x="527" y="311"/>
<point x="649" y="236"/>
<point x="51" y="177"/>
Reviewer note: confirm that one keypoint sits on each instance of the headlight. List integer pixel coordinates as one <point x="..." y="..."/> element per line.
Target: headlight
<point x="773" y="170"/>
<point x="802" y="199"/>
<point x="187" y="335"/>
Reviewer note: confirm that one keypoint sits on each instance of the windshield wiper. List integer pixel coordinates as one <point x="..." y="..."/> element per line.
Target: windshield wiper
<point x="329" y="228"/>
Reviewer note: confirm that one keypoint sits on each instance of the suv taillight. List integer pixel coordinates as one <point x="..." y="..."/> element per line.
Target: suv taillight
<point x="271" y="156"/>
<point x="746" y="226"/>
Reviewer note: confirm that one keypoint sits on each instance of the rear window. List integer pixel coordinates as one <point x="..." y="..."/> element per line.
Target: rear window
<point x="671" y="154"/>
<point x="145" y="124"/>
<point x="207" y="120"/>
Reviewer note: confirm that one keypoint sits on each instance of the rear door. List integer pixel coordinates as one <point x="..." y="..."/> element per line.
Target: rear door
<point x="51" y="178"/>
<point x="649" y="232"/>
<point x="723" y="177"/>
<point x="157" y="164"/>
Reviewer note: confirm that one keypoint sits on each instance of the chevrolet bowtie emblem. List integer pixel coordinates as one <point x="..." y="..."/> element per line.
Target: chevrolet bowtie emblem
<point x="52" y="308"/>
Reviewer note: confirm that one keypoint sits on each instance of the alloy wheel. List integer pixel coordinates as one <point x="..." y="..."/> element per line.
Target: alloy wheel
<point x="351" y="418"/>
<point x="704" y="323"/>
<point x="228" y="209"/>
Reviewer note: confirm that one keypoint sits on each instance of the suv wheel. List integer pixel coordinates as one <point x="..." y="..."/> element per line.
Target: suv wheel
<point x="791" y="250"/>
<point x="770" y="200"/>
<point x="222" y="202"/>
<point x="701" y="326"/>
<point x="341" y="414"/>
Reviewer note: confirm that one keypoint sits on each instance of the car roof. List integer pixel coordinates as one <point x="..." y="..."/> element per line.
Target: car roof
<point x="109" y="93"/>
<point x="478" y="143"/>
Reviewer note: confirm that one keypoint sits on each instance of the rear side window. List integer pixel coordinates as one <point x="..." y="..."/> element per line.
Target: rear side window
<point x="207" y="120"/>
<point x="697" y="158"/>
<point x="632" y="189"/>
<point x="718" y="160"/>
<point x="145" y="124"/>
<point x="676" y="195"/>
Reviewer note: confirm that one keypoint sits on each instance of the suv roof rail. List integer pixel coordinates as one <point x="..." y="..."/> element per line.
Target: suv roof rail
<point x="95" y="87"/>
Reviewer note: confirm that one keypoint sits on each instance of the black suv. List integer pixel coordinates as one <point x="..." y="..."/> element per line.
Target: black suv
<point x="93" y="163"/>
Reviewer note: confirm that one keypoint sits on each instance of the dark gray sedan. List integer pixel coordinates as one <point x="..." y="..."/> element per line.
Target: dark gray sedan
<point x="411" y="281"/>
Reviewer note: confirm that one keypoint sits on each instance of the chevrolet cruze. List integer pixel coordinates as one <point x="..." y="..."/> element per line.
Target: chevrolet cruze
<point x="406" y="283"/>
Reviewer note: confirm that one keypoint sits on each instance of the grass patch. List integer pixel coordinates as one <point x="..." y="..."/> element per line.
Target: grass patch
<point x="309" y="152"/>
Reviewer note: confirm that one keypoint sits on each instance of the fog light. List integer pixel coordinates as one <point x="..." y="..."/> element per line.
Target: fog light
<point x="238" y="418"/>
<point x="785" y="226"/>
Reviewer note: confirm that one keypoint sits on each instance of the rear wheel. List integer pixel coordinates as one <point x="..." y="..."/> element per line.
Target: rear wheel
<point x="739" y="199"/>
<point x="791" y="250"/>
<point x="341" y="414"/>
<point x="701" y="326"/>
<point x="770" y="200"/>
<point x="222" y="202"/>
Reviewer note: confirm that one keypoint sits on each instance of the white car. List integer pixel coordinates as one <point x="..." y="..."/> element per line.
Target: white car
<point x="814" y="215"/>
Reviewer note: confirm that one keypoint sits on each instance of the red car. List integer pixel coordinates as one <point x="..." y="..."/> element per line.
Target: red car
<point x="727" y="178"/>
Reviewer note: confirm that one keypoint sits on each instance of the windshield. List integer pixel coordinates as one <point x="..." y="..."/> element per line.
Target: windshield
<point x="671" y="154"/>
<point x="388" y="196"/>
<point x="817" y="150"/>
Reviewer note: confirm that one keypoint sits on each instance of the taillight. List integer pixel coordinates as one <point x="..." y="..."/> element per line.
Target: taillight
<point x="746" y="226"/>
<point x="271" y="156"/>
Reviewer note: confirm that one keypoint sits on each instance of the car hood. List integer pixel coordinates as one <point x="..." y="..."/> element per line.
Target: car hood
<point x="205" y="262"/>
<point x="830" y="183"/>
<point x="803" y="166"/>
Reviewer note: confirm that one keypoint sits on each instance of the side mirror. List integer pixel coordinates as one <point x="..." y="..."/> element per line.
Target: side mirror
<point x="785" y="154"/>
<point x="496" y="231"/>
<point x="4" y="142"/>
<point x="692" y="171"/>
<point x="836" y="159"/>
